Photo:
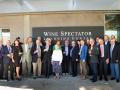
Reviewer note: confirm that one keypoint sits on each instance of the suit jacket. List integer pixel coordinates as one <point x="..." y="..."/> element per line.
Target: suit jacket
<point x="63" y="51"/>
<point x="108" y="43"/>
<point x="106" y="52"/>
<point x="74" y="53"/>
<point x="83" y="53"/>
<point x="94" y="54"/>
<point x="48" y="54"/>
<point x="116" y="42"/>
<point x="26" y="55"/>
<point x="1" y="55"/>
<point x="35" y="55"/>
<point x="5" y="52"/>
<point x="119" y="53"/>
<point x="115" y="54"/>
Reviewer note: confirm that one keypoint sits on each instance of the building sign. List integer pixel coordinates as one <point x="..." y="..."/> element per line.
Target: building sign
<point x="69" y="33"/>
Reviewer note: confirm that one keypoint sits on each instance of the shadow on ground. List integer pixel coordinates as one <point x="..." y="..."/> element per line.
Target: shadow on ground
<point x="65" y="83"/>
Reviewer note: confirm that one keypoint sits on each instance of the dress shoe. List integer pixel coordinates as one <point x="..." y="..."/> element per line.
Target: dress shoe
<point x="39" y="76"/>
<point x="91" y="79"/>
<point x="112" y="78"/>
<point x="34" y="77"/>
<point x="18" y="78"/>
<point x="73" y="75"/>
<point x="100" y="78"/>
<point x="94" y="80"/>
<point x="7" y="80"/>
<point x="47" y="77"/>
<point x="83" y="78"/>
<point x="117" y="80"/>
<point x="106" y="79"/>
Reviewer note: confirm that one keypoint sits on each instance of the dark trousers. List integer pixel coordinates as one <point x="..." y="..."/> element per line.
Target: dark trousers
<point x="109" y="70"/>
<point x="74" y="67"/>
<point x="6" y="68"/>
<point x="70" y="67"/>
<point x="94" y="70"/>
<point x="103" y="67"/>
<point x="47" y="64"/>
<point x="89" y="68"/>
<point x="65" y="64"/>
<point x="1" y="70"/>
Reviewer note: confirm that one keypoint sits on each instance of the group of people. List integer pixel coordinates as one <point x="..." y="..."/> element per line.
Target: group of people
<point x="96" y="57"/>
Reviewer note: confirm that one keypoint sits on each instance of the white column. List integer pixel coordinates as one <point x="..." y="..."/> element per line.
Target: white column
<point x="27" y="29"/>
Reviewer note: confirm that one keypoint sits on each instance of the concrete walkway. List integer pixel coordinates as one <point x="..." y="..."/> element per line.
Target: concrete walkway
<point x="65" y="83"/>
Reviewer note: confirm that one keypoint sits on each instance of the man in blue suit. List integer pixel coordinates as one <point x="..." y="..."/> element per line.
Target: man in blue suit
<point x="83" y="55"/>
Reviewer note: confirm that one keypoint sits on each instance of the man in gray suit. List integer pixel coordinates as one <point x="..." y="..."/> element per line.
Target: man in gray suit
<point x="26" y="58"/>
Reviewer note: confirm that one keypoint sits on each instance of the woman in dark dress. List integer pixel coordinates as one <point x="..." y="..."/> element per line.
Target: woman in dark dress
<point x="17" y="53"/>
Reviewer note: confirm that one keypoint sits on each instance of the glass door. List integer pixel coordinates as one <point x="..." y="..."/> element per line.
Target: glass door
<point x="112" y="25"/>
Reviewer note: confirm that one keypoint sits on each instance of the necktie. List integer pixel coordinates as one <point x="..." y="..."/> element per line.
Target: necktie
<point x="102" y="51"/>
<point x="9" y="50"/>
<point x="0" y="47"/>
<point x="81" y="49"/>
<point x="71" y="52"/>
<point x="39" y="51"/>
<point x="111" y="49"/>
<point x="66" y="50"/>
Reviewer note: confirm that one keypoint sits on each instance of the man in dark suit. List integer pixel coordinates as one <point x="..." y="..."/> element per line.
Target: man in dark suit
<point x="97" y="41"/>
<point x="114" y="60"/>
<point x="74" y="58"/>
<point x="106" y="40"/>
<point x="66" y="57"/>
<point x="1" y="60"/>
<point x="88" y="57"/>
<point x="93" y="52"/>
<point x="119" y="56"/>
<point x="113" y="37"/>
<point x="104" y="59"/>
<point x="7" y="61"/>
<point x="107" y="43"/>
<point x="48" y="48"/>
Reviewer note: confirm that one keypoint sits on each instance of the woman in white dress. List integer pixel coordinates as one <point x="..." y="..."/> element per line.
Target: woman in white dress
<point x="57" y="59"/>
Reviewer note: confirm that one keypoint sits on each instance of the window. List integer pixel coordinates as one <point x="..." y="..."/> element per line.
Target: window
<point x="112" y="25"/>
<point x="4" y="35"/>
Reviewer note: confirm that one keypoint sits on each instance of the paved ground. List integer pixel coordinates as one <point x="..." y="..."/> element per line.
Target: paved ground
<point x="65" y="83"/>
